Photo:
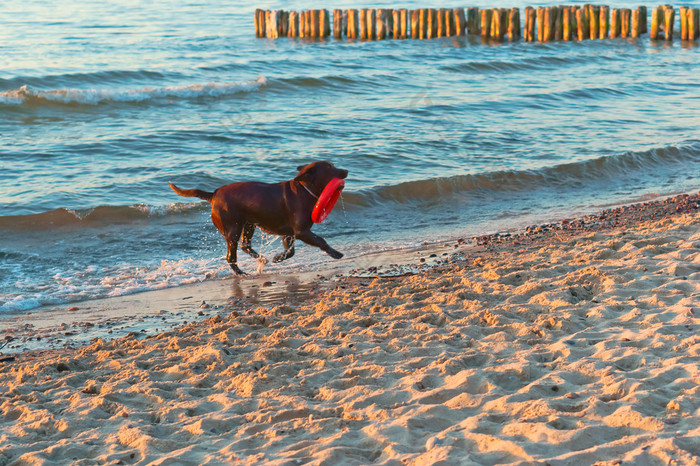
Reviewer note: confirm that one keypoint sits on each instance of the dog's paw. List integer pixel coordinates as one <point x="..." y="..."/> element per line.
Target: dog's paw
<point x="335" y="254"/>
<point x="279" y="258"/>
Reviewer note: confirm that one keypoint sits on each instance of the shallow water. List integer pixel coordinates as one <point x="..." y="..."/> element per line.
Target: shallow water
<point x="101" y="106"/>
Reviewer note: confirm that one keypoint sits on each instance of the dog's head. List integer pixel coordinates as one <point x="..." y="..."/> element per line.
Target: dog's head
<point x="318" y="174"/>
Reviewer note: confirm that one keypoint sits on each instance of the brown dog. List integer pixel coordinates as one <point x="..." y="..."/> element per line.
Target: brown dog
<point x="280" y="208"/>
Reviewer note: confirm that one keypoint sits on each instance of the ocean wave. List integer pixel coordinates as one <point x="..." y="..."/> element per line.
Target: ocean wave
<point x="564" y="176"/>
<point x="544" y="62"/>
<point x="70" y="286"/>
<point x="332" y="82"/>
<point x="97" y="77"/>
<point x="98" y="216"/>
<point x="25" y="95"/>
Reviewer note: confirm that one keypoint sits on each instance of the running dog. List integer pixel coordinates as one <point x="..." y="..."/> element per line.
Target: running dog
<point x="282" y="209"/>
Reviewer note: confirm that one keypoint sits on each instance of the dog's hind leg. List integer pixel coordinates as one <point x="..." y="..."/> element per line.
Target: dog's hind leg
<point x="232" y="253"/>
<point x="246" y="238"/>
<point x="288" y="242"/>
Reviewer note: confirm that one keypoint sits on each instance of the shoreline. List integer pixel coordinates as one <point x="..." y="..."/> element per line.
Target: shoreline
<point x="570" y="343"/>
<point x="151" y="312"/>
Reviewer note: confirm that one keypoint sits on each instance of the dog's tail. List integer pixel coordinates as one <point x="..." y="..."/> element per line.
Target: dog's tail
<point x="192" y="192"/>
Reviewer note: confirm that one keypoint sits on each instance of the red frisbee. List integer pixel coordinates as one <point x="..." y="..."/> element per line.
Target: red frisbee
<point x="327" y="200"/>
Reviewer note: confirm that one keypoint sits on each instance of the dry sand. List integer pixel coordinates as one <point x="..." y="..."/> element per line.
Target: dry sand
<point x="574" y="343"/>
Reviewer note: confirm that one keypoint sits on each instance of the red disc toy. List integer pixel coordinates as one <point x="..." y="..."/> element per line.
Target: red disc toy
<point x="327" y="200"/>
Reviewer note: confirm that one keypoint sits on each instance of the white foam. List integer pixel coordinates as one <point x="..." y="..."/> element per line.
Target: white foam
<point x="95" y="96"/>
<point x="19" y="303"/>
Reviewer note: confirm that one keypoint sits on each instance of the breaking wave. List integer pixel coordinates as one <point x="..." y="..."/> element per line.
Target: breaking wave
<point x="28" y="96"/>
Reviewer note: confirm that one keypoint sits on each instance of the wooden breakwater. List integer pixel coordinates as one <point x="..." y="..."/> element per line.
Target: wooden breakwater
<point x="541" y="24"/>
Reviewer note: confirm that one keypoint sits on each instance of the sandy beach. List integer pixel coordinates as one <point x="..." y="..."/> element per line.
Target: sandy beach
<point x="565" y="344"/>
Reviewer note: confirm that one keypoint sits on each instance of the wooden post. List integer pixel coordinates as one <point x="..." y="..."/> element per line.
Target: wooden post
<point x="371" y="24"/>
<point x="260" y="28"/>
<point x="550" y="17"/>
<point x="363" y="23"/>
<point x="337" y="23"/>
<point x="423" y="24"/>
<point x="513" y="24"/>
<point x="280" y="22"/>
<point x="615" y="29"/>
<point x="485" y="22"/>
<point x="636" y="29"/>
<point x="625" y="20"/>
<point x="604" y="21"/>
<point x="655" y="21"/>
<point x="540" y="24"/>
<point x="529" y="29"/>
<point x="313" y="24"/>
<point x="302" y="20"/>
<point x="415" y="24"/>
<point x="389" y="15"/>
<point x="557" y="26"/>
<point x="432" y="23"/>
<point x="405" y="16"/>
<point x="271" y="19"/>
<point x="498" y="23"/>
<point x="440" y="26"/>
<point x="257" y="22"/>
<point x="574" y="23"/>
<point x="279" y="17"/>
<point x="344" y="23"/>
<point x="693" y="23"/>
<point x="284" y="30"/>
<point x="566" y="23"/>
<point x="324" y="23"/>
<point x="683" y="14"/>
<point x="643" y="15"/>
<point x="594" y="22"/>
<point x="310" y="30"/>
<point x="293" y="24"/>
<point x="307" y="25"/>
<point x="558" y="23"/>
<point x="581" y="29"/>
<point x="396" y="20"/>
<point x="669" y="17"/>
<point x="353" y="27"/>
<point x="449" y="23"/>
<point x="382" y="24"/>
<point x="460" y="21"/>
<point x="473" y="21"/>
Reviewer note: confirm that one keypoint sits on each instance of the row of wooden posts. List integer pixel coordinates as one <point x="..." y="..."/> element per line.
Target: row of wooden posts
<point x="540" y="24"/>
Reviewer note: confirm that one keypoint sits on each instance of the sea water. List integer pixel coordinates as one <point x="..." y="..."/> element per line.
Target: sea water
<point x="103" y="103"/>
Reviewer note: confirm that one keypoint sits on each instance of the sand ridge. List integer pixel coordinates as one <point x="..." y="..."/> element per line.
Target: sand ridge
<point x="565" y="349"/>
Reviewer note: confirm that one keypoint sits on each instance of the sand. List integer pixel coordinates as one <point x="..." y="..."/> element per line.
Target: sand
<point x="566" y="344"/>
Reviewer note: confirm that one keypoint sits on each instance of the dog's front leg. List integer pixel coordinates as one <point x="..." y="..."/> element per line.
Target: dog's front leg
<point x="288" y="242"/>
<point x="314" y="240"/>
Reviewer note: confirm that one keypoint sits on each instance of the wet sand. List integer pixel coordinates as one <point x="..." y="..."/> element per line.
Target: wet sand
<point x="569" y="343"/>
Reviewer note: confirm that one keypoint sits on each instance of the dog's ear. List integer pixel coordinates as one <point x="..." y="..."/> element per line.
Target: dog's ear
<point x="305" y="173"/>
